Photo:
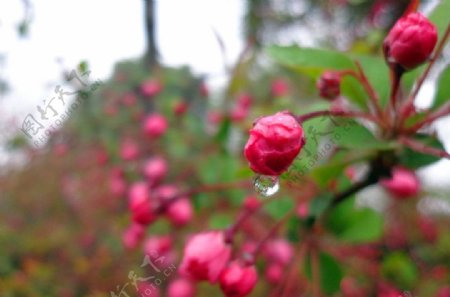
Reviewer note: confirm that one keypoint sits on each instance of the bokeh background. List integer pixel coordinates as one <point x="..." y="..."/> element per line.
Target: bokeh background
<point x="203" y="65"/>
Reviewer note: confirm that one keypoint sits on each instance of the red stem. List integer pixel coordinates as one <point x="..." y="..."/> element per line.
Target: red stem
<point x="315" y="114"/>
<point x="315" y="272"/>
<point x="444" y="111"/>
<point x="422" y="148"/>
<point x="373" y="96"/>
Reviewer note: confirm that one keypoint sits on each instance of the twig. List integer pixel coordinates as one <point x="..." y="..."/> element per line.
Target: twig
<point x="344" y="114"/>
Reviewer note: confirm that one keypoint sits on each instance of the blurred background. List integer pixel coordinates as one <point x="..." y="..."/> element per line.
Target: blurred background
<point x="92" y="91"/>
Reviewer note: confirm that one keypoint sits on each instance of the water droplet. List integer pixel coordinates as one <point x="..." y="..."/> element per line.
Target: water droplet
<point x="266" y="185"/>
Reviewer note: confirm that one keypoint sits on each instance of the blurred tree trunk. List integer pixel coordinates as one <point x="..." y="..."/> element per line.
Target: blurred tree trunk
<point x="151" y="54"/>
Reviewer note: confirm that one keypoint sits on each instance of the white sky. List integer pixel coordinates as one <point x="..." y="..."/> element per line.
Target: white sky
<point x="104" y="32"/>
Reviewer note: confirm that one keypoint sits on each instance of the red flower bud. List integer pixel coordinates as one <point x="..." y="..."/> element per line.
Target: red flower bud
<point x="180" y="212"/>
<point x="181" y="288"/>
<point x="329" y="85"/>
<point x="129" y="150"/>
<point x="403" y="183"/>
<point x="132" y="235"/>
<point x="443" y="292"/>
<point x="151" y="87"/>
<point x="279" y="251"/>
<point x="238" y="280"/>
<point x="410" y="42"/>
<point x="140" y="204"/>
<point x="274" y="273"/>
<point x="279" y="87"/>
<point x="155" y="125"/>
<point x="274" y="143"/>
<point x="252" y="203"/>
<point x="155" y="169"/>
<point x="205" y="256"/>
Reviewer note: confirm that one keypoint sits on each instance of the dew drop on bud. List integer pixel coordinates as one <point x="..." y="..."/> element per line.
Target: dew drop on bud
<point x="266" y="185"/>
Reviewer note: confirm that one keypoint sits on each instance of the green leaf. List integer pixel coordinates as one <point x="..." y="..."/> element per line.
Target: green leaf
<point x="377" y="72"/>
<point x="308" y="157"/>
<point x="330" y="273"/>
<point x="220" y="221"/>
<point x="218" y="168"/>
<point x="440" y="17"/>
<point x="319" y="204"/>
<point x="293" y="229"/>
<point x="354" y="225"/>
<point x="331" y="170"/>
<point x="413" y="160"/>
<point x="312" y="62"/>
<point x="399" y="268"/>
<point x="278" y="207"/>
<point x="350" y="134"/>
<point x="443" y="90"/>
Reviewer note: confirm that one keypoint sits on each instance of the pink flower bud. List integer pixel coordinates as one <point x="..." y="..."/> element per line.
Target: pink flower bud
<point x="129" y="150"/>
<point x="388" y="291"/>
<point x="159" y="248"/>
<point x="165" y="192"/>
<point x="157" y="245"/>
<point x="140" y="204"/>
<point x="133" y="235"/>
<point x="155" y="169"/>
<point x="214" y="117"/>
<point x="244" y="100"/>
<point x="143" y="213"/>
<point x="151" y="87"/>
<point x="410" y="42"/>
<point x="117" y="186"/>
<point x="205" y="256"/>
<point x="181" y="288"/>
<point x="101" y="156"/>
<point x="280" y="251"/>
<point x="238" y="113"/>
<point x="329" y="85"/>
<point x="274" y="143"/>
<point x="274" y="273"/>
<point x="302" y="210"/>
<point x="252" y="203"/>
<point x="238" y="280"/>
<point x="349" y="288"/>
<point x="129" y="99"/>
<point x="443" y="292"/>
<point x="180" y="108"/>
<point x="279" y="87"/>
<point x="180" y="212"/>
<point x="403" y="183"/>
<point x="148" y="289"/>
<point x="138" y="194"/>
<point x="155" y="125"/>
<point x="428" y="229"/>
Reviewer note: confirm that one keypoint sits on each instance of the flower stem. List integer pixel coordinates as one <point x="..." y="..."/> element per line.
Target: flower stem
<point x="315" y="114"/>
<point x="373" y="96"/>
